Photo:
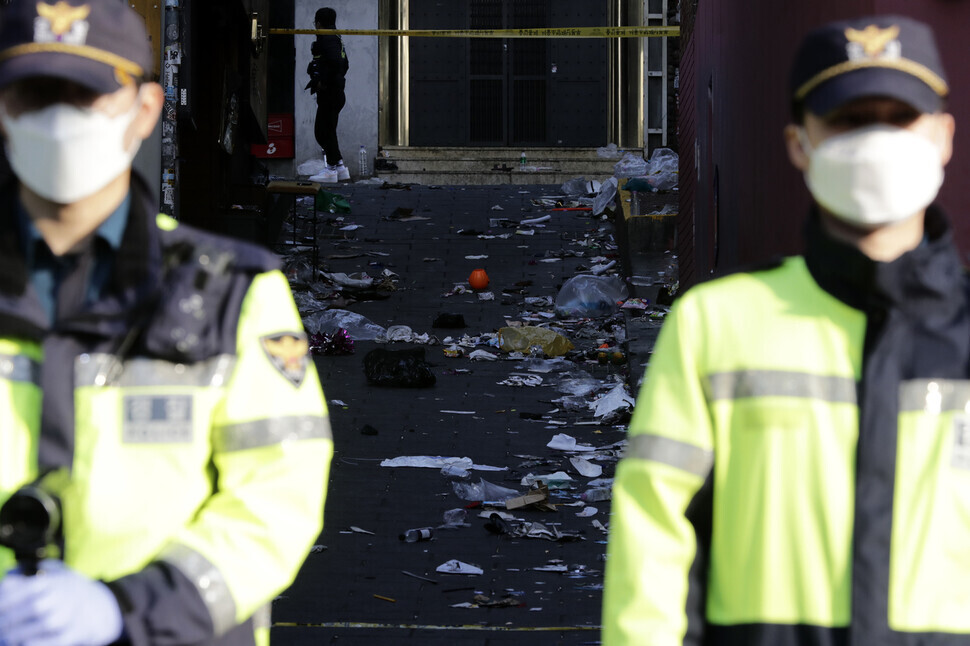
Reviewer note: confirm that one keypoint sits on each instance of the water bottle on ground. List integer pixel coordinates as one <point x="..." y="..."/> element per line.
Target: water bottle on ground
<point x="362" y="166"/>
<point x="522" y="161"/>
<point x="415" y="535"/>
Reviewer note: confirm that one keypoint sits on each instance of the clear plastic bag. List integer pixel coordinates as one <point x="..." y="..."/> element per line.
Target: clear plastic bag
<point x="575" y="186"/>
<point x="329" y="321"/>
<point x="605" y="195"/>
<point x="590" y="296"/>
<point x="609" y="151"/>
<point x="632" y="165"/>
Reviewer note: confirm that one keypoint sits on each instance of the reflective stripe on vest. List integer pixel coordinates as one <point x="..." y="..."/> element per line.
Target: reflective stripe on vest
<point x="208" y="580"/>
<point x="105" y="369"/>
<point x="19" y="368"/>
<point x="265" y="432"/>
<point x="679" y="455"/>
<point x="781" y="383"/>
<point x="934" y="395"/>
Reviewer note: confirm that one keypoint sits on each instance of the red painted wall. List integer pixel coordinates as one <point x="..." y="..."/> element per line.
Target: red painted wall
<point x="744" y="203"/>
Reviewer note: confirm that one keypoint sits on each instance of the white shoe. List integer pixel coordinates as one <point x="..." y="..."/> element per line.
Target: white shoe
<point x="343" y="173"/>
<point x="326" y="176"/>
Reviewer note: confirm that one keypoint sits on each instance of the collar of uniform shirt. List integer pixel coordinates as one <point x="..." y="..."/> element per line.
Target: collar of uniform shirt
<point x="46" y="272"/>
<point x="111" y="230"/>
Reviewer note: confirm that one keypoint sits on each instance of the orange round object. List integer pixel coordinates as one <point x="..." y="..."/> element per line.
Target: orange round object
<point x="478" y="279"/>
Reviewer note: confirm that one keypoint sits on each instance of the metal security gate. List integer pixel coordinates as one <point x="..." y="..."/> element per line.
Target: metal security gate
<point x="507" y="92"/>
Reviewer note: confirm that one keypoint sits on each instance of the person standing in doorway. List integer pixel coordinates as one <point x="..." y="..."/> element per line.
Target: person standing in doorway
<point x="327" y="70"/>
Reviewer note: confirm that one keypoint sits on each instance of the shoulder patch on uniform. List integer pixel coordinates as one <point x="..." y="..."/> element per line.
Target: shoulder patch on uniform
<point x="289" y="353"/>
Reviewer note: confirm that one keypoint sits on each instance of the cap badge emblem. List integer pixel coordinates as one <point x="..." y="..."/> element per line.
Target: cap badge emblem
<point x="873" y="42"/>
<point x="61" y="23"/>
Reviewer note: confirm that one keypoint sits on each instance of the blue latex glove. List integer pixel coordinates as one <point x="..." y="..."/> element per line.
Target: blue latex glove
<point x="57" y="607"/>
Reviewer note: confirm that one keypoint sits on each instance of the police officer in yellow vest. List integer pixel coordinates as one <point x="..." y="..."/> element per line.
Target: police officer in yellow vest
<point x="154" y="378"/>
<point x="798" y="466"/>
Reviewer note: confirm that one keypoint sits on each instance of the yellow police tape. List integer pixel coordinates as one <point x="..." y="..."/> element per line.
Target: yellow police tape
<point x="362" y="624"/>
<point x="561" y="32"/>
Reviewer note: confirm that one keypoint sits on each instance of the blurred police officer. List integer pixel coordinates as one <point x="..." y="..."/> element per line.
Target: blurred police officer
<point x="798" y="468"/>
<point x="154" y="377"/>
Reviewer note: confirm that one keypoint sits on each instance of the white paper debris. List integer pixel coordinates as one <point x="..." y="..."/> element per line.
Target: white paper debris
<point x="437" y="462"/>
<point x="586" y="468"/>
<point x="564" y="442"/>
<point x="454" y="566"/>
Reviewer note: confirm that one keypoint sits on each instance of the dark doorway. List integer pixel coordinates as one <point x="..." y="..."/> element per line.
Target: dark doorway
<point x="507" y="92"/>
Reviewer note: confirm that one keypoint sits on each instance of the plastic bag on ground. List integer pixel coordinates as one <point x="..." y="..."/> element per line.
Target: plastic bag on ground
<point x="574" y="186"/>
<point x="632" y="165"/>
<point x="609" y="151"/>
<point x="605" y="196"/>
<point x="663" y="160"/>
<point x="482" y="490"/>
<point x="311" y="167"/>
<point x="330" y="321"/>
<point x="590" y="296"/>
<point x="522" y="339"/>
<point x="404" y="368"/>
<point x="327" y="202"/>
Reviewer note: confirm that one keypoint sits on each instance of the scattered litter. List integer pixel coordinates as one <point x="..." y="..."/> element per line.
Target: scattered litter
<point x="483" y="491"/>
<point x="486" y="296"/>
<point x="557" y="480"/>
<point x="590" y="296"/>
<point x="526" y="529"/>
<point x="523" y="339"/>
<point x="454" y="566"/>
<point x="346" y="280"/>
<point x="616" y="399"/>
<point x="436" y="462"/>
<point x="331" y="321"/>
<point x="482" y="355"/>
<point x="358" y="530"/>
<point x="587" y="512"/>
<point x="564" y="442"/>
<point x="458" y="412"/>
<point x="480" y="257"/>
<point x="316" y="549"/>
<point x="532" y="221"/>
<point x="497" y="208"/>
<point x="455" y="518"/>
<point x="635" y="304"/>
<point x="521" y="380"/>
<point x="383" y="598"/>
<point x="597" y="494"/>
<point x="453" y="352"/>
<point x="537" y="498"/>
<point x="585" y="467"/>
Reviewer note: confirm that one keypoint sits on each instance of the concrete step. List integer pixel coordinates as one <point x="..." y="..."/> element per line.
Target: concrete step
<point x="480" y="166"/>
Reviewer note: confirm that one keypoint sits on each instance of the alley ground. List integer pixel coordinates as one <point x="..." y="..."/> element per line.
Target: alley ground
<point x="362" y="584"/>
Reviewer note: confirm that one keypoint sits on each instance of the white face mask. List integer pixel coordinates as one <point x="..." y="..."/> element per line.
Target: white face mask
<point x="65" y="153"/>
<point x="875" y="175"/>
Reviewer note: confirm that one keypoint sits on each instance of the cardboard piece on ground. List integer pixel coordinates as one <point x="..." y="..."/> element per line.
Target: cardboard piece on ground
<point x="538" y="497"/>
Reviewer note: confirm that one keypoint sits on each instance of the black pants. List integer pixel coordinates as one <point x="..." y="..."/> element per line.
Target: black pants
<point x="329" y="104"/>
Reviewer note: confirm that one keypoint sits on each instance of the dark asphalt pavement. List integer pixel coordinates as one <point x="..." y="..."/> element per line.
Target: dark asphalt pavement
<point x="372" y="588"/>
